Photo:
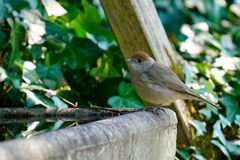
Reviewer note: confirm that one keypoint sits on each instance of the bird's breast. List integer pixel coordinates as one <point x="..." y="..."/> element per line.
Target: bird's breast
<point x="153" y="93"/>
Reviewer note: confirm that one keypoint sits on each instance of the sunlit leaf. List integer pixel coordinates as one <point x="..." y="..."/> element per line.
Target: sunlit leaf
<point x="222" y="148"/>
<point x="233" y="147"/>
<point x="58" y="102"/>
<point x="217" y="132"/>
<point x="115" y="102"/>
<point x="198" y="157"/>
<point x="3" y="74"/>
<point x="37" y="99"/>
<point x="188" y="73"/>
<point x="237" y="120"/>
<point x="199" y="126"/>
<point x="206" y="112"/>
<point x="29" y="73"/>
<point x="53" y="8"/>
<point x="224" y="121"/>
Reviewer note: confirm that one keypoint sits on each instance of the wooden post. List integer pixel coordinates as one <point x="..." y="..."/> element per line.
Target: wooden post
<point x="137" y="26"/>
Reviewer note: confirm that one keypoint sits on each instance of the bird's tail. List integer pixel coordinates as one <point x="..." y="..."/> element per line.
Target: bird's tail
<point x="204" y="99"/>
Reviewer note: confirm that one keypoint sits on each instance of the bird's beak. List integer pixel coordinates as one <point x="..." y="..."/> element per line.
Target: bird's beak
<point x="129" y="60"/>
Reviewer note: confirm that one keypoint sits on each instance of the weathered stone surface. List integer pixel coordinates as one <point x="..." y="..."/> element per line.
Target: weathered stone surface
<point x="135" y="136"/>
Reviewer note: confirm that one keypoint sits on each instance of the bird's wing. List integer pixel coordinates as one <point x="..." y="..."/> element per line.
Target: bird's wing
<point x="160" y="74"/>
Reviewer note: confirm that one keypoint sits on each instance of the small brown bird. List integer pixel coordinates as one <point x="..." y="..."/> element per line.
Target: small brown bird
<point x="156" y="83"/>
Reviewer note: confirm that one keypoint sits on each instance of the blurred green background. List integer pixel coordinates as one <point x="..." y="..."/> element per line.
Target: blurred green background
<point x="64" y="54"/>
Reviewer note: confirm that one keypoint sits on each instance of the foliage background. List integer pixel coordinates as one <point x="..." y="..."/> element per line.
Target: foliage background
<point x="64" y="54"/>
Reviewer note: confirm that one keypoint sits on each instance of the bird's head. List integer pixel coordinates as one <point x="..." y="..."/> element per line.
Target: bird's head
<point x="140" y="62"/>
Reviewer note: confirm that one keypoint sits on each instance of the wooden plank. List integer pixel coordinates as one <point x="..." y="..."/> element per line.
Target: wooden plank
<point x="137" y="26"/>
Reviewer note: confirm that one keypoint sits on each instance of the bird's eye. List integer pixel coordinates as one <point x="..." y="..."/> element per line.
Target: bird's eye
<point x="139" y="61"/>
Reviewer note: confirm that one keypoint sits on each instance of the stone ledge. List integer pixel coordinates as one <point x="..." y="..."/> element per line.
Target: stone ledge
<point x="136" y="136"/>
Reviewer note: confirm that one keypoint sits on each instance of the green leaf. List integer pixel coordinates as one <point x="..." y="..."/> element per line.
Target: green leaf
<point x="36" y="51"/>
<point x="54" y="44"/>
<point x="124" y="89"/>
<point x="203" y="68"/>
<point x="231" y="105"/>
<point x="14" y="40"/>
<point x="53" y="8"/>
<point x="222" y="148"/>
<point x="186" y="152"/>
<point x="3" y="10"/>
<point x="134" y="102"/>
<point x="3" y="39"/>
<point x="188" y="73"/>
<point x="54" y="72"/>
<point x="35" y="98"/>
<point x="206" y="112"/>
<point x="183" y="154"/>
<point x="217" y="132"/>
<point x="237" y="120"/>
<point x="198" y="157"/>
<point x="115" y="102"/>
<point x="80" y="52"/>
<point x="55" y="30"/>
<point x="33" y="3"/>
<point x="199" y="126"/>
<point x="105" y="69"/>
<point x="91" y="18"/>
<point x="233" y="147"/>
<point x="29" y="73"/>
<point x="58" y="102"/>
<point x="208" y="86"/>
<point x="224" y="121"/>
<point x="128" y="97"/>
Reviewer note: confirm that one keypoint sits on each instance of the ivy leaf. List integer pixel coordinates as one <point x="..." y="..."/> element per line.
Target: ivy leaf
<point x="35" y="98"/>
<point x="3" y="10"/>
<point x="206" y="112"/>
<point x="29" y="73"/>
<point x="224" y="121"/>
<point x="105" y="69"/>
<point x="231" y="105"/>
<point x="132" y="102"/>
<point x="91" y="18"/>
<point x="14" y="40"/>
<point x="124" y="89"/>
<point x="222" y="148"/>
<point x="127" y="97"/>
<point x="188" y="73"/>
<point x="237" y="120"/>
<point x="53" y="8"/>
<point x="58" y="102"/>
<point x="217" y="132"/>
<point x="80" y="52"/>
<point x="199" y="126"/>
<point x="115" y="101"/>
<point x="233" y="147"/>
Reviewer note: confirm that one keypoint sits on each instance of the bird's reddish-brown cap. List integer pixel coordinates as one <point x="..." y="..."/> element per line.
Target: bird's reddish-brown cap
<point x="140" y="55"/>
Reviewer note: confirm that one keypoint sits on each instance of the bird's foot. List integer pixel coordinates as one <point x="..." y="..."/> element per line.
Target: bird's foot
<point x="155" y="109"/>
